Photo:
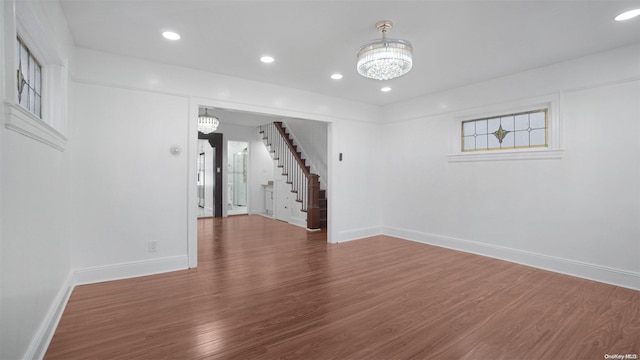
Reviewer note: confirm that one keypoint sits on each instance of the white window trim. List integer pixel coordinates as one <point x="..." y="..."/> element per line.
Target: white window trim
<point x="553" y="151"/>
<point x="24" y="122"/>
<point x="43" y="45"/>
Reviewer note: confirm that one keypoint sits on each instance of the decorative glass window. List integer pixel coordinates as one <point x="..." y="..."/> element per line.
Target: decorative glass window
<point x="507" y="132"/>
<point x="29" y="79"/>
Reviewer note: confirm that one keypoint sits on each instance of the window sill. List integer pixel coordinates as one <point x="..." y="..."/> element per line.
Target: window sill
<point x="23" y="122"/>
<point x="500" y="155"/>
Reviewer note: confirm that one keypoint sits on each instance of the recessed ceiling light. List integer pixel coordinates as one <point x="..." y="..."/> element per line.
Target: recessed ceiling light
<point x="336" y="76"/>
<point x="267" y="59"/>
<point x="171" y="35"/>
<point x="385" y="89"/>
<point x="628" y="15"/>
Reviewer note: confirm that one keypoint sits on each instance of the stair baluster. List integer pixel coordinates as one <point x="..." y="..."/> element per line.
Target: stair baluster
<point x="304" y="184"/>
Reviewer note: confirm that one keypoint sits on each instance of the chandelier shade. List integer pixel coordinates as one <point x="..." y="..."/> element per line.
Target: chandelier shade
<point x="385" y="59"/>
<point x="207" y="123"/>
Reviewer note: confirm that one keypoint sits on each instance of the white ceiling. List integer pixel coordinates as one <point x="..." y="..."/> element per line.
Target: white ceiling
<point x="455" y="42"/>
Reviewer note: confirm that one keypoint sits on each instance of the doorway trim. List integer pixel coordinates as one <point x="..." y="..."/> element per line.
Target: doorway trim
<point x="215" y="140"/>
<point x="192" y="190"/>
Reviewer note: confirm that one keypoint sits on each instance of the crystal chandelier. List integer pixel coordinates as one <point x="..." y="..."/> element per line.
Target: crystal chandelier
<point x="385" y="59"/>
<point x="207" y="123"/>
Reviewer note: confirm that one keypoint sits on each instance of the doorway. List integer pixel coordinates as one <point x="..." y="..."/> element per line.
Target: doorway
<point x="202" y="172"/>
<point x="237" y="163"/>
<point x="241" y="125"/>
<point x="210" y="174"/>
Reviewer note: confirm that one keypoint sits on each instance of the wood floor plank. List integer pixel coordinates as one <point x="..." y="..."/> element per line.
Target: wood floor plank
<point x="265" y="289"/>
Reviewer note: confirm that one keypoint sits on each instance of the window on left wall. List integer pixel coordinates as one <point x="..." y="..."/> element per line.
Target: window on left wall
<point x="29" y="79"/>
<point x="36" y="74"/>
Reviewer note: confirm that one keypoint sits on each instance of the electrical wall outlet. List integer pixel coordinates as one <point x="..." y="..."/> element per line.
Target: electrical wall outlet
<point x="153" y="246"/>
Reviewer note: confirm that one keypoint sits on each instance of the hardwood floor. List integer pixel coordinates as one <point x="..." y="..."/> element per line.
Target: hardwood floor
<point x="268" y="290"/>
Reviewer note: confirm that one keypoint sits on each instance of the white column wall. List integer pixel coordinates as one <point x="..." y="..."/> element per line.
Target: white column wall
<point x="35" y="239"/>
<point x="35" y="249"/>
<point x="353" y="196"/>
<point x="578" y="215"/>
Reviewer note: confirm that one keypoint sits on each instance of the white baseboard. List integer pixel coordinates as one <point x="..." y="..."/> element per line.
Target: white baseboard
<point x="41" y="340"/>
<point x="130" y="270"/>
<point x="268" y="216"/>
<point x="627" y="279"/>
<point x="298" y="222"/>
<point x="356" y="234"/>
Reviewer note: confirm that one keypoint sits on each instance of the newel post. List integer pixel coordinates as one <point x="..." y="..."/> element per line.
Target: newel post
<point x="313" y="210"/>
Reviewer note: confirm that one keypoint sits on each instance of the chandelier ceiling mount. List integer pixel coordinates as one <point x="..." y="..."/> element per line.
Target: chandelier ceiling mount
<point x="385" y="59"/>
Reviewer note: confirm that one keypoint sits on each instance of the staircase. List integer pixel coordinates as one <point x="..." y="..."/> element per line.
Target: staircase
<point x="304" y="184"/>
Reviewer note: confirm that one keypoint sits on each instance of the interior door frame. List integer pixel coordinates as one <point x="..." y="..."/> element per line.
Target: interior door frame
<point x="195" y="103"/>
<point x="215" y="140"/>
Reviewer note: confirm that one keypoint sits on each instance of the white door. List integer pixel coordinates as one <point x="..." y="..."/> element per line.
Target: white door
<point x="281" y="202"/>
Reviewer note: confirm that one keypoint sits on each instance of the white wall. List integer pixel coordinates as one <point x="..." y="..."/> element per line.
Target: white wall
<point x="261" y="171"/>
<point x="218" y="90"/>
<point x="579" y="214"/>
<point x="120" y="79"/>
<point x="35" y="239"/>
<point x="2" y="120"/>
<point x="355" y="182"/>
<point x="128" y="188"/>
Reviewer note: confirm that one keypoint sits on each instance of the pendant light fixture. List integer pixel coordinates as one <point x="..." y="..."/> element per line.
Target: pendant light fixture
<point x="385" y="59"/>
<point x="207" y="123"/>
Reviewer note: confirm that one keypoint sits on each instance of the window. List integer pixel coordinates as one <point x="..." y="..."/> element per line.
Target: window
<point x="506" y="132"/>
<point x="37" y="74"/>
<point x="29" y="79"/>
<point x="528" y="130"/>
